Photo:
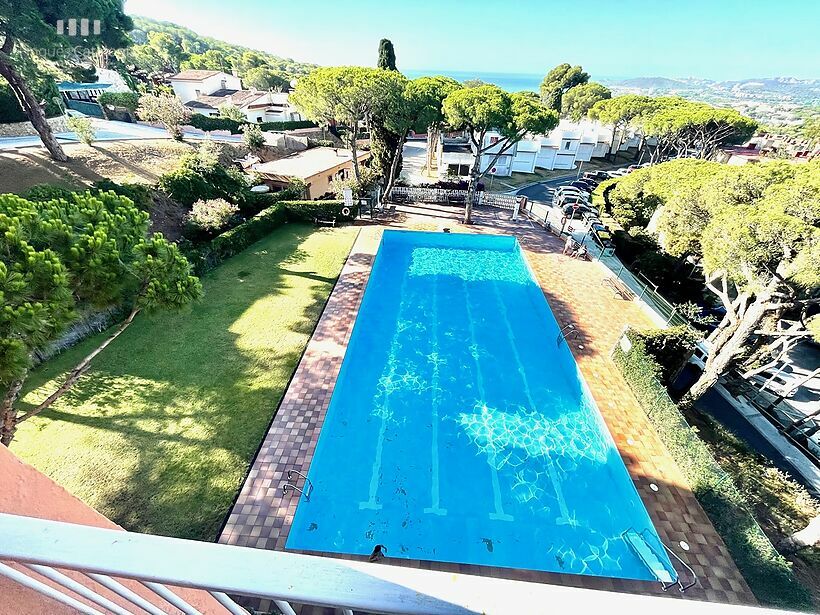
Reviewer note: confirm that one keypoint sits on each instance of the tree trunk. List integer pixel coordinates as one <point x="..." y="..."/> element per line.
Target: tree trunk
<point x="472" y="187"/>
<point x="356" y="172"/>
<point x="29" y="105"/>
<point x="79" y="369"/>
<point x="394" y="171"/>
<point x="809" y="536"/>
<point x="8" y="415"/>
<point x="726" y="348"/>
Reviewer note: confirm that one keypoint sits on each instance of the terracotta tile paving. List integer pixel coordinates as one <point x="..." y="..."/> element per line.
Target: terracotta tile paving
<point x="262" y="515"/>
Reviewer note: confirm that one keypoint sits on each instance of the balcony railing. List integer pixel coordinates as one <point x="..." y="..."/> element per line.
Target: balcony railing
<point x="49" y="547"/>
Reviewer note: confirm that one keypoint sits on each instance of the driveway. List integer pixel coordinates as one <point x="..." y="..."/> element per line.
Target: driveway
<point x="107" y="130"/>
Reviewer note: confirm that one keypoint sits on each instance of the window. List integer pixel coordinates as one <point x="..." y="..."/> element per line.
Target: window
<point x="259" y="120"/>
<point x="197" y="92"/>
<point x="493" y="140"/>
<point x="566" y="145"/>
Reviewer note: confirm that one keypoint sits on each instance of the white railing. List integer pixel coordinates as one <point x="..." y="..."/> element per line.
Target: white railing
<point x="155" y="561"/>
<point x="447" y="196"/>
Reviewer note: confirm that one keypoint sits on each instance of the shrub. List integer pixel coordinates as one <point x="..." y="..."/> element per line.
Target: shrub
<point x="322" y="143"/>
<point x="252" y="136"/>
<point x="233" y="241"/>
<point x="307" y="211"/>
<point x="669" y="348"/>
<point x="166" y="109"/>
<point x="231" y="112"/>
<point x="237" y="239"/>
<point x="768" y="573"/>
<point x="200" y="177"/>
<point x="211" y="216"/>
<point x="292" y="125"/>
<point x="140" y="194"/>
<point x="206" y="123"/>
<point x="83" y="128"/>
<point x="128" y="100"/>
<point x="600" y="196"/>
<point x="48" y="192"/>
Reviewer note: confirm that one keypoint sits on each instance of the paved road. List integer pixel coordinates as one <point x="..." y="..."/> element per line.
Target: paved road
<point x="111" y="131"/>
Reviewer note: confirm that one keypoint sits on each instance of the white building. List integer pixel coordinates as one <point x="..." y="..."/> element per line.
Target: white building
<point x="191" y="84"/>
<point x="205" y="91"/>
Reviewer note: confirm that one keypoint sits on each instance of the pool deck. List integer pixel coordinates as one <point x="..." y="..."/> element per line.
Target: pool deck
<point x="261" y="515"/>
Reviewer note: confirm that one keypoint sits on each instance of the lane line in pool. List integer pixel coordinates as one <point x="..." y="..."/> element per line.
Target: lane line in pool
<point x="556" y="482"/>
<point x="371" y="503"/>
<point x="434" y="508"/>
<point x="498" y="514"/>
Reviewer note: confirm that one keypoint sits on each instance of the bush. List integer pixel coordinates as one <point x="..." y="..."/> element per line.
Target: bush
<point x="166" y="109"/>
<point x="252" y="136"/>
<point x="235" y="240"/>
<point x="139" y="193"/>
<point x="47" y="192"/>
<point x="206" y="123"/>
<point x="200" y="177"/>
<point x="128" y="100"/>
<point x="280" y="126"/>
<point x="768" y="573"/>
<point x="669" y="348"/>
<point x="601" y="194"/>
<point x="308" y="211"/>
<point x="211" y="216"/>
<point x="83" y="128"/>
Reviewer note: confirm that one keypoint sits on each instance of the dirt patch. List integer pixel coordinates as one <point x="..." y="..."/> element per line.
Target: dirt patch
<point x="120" y="161"/>
<point x="167" y="216"/>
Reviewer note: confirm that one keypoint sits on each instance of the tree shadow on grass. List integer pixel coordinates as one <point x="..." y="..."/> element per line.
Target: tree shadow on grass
<point x="159" y="434"/>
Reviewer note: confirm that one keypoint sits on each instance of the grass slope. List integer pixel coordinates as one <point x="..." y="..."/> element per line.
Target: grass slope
<point x="159" y="434"/>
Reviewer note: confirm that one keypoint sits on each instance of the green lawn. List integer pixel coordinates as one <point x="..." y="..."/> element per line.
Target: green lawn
<point x="159" y="434"/>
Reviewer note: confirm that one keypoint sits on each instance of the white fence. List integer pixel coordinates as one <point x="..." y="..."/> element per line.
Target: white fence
<point x="45" y="546"/>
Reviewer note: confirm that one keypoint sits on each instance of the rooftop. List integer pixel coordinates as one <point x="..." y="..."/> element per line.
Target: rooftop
<point x="194" y="75"/>
<point x="309" y="162"/>
<point x="238" y="98"/>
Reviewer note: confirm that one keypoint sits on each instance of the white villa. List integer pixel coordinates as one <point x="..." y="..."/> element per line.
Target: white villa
<point x="204" y="91"/>
<point x="569" y="144"/>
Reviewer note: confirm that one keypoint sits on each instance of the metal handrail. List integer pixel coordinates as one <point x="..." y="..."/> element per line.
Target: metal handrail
<point x="305" y="579"/>
<point x="677" y="581"/>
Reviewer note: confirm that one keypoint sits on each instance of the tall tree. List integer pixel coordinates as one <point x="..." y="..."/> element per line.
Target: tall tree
<point x="487" y="108"/>
<point x="756" y="230"/>
<point x="622" y="112"/>
<point x="350" y="96"/>
<point x="577" y="101"/>
<point x="419" y="109"/>
<point x="86" y="250"/>
<point x="27" y="26"/>
<point x="558" y="81"/>
<point x="387" y="55"/>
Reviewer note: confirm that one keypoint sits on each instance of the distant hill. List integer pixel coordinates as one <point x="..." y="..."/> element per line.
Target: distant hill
<point x="161" y="46"/>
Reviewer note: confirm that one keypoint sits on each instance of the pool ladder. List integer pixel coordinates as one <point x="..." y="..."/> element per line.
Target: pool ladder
<point x="307" y="486"/>
<point x="564" y="333"/>
<point x="651" y="559"/>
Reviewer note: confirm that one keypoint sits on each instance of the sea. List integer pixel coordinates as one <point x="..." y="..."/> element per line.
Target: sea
<point x="511" y="82"/>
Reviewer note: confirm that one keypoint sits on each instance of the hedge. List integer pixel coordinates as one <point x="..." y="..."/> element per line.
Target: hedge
<point x="768" y="573"/>
<point x="229" y="243"/>
<point x="207" y="123"/>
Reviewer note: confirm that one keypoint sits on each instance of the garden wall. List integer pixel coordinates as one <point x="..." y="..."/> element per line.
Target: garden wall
<point x="25" y="129"/>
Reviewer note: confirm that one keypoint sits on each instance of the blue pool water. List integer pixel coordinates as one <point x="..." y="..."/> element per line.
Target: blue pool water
<point x="460" y="431"/>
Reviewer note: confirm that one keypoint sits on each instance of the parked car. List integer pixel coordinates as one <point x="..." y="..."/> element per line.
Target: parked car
<point x="570" y="199"/>
<point x="592" y="216"/>
<point x="582" y="187"/>
<point x="568" y="188"/>
<point x="575" y="192"/>
<point x="599" y="175"/>
<point x="601" y="235"/>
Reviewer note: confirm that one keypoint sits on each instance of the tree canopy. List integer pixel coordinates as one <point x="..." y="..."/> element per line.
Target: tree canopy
<point x="558" y="81"/>
<point x="756" y="231"/>
<point x="485" y="108"/>
<point x="62" y="254"/>
<point x="577" y="101"/>
<point x="349" y="95"/>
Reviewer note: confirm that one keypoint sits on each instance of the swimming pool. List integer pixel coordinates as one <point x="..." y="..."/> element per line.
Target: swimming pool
<point x="460" y="429"/>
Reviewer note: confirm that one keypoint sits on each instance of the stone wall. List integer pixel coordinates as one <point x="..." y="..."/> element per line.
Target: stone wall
<point x="24" y="129"/>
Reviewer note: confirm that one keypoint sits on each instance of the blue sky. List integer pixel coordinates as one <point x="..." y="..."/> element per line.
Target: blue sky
<point x="718" y="39"/>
